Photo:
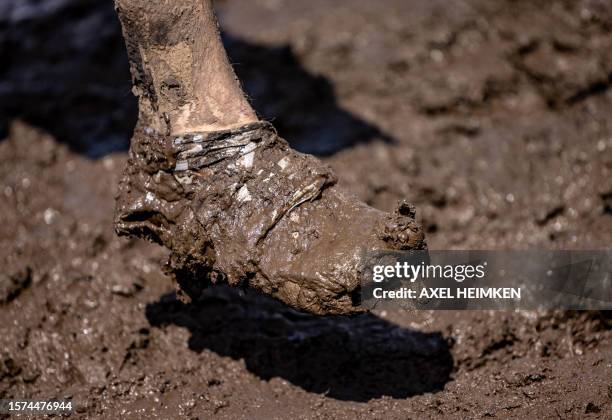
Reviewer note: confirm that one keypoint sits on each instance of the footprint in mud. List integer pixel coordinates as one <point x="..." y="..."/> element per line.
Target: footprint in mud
<point x="347" y="358"/>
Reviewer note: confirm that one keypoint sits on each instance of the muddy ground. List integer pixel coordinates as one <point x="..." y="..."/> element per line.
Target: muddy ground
<point x="492" y="117"/>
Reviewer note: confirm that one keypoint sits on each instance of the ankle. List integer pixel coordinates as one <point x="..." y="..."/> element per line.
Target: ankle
<point x="181" y="73"/>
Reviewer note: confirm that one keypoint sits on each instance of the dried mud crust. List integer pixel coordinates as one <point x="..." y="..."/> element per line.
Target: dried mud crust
<point x="241" y="207"/>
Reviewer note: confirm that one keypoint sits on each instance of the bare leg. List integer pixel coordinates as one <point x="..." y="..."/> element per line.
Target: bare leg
<point x="230" y="199"/>
<point x="180" y="71"/>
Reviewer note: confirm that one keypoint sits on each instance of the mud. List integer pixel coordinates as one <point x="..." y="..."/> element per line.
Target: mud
<point x="241" y="207"/>
<point x="447" y="115"/>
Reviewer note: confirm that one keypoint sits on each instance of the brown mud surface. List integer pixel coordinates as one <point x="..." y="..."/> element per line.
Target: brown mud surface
<point x="493" y="118"/>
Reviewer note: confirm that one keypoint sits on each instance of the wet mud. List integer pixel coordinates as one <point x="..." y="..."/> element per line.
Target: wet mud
<point x="241" y="207"/>
<point x="492" y="118"/>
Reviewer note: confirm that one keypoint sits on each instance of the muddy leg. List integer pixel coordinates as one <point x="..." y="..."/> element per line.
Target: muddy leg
<point x="180" y="71"/>
<point x="229" y="198"/>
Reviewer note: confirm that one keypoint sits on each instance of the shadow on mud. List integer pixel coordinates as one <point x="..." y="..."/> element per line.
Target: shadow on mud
<point x="301" y="105"/>
<point x="348" y="358"/>
<point x="64" y="69"/>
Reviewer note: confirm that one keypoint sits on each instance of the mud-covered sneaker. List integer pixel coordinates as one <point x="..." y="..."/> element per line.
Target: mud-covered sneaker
<point x="240" y="206"/>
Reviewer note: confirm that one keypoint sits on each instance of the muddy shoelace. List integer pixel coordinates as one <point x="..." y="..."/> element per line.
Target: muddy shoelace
<point x="195" y="151"/>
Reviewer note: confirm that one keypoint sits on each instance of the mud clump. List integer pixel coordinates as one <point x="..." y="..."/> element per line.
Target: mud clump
<point x="11" y="285"/>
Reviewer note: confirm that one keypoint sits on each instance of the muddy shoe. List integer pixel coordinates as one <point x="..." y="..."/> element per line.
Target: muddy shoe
<point x="241" y="206"/>
<point x="230" y="199"/>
